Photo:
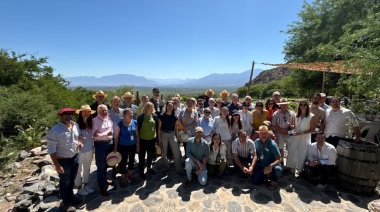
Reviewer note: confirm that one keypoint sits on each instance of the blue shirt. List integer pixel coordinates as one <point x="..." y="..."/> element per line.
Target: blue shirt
<point x="62" y="141"/>
<point x="206" y="124"/>
<point x="115" y="117"/>
<point x="266" y="153"/>
<point x="126" y="133"/>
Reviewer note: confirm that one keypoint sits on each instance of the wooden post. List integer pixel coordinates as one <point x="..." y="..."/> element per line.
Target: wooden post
<point x="137" y="98"/>
<point x="250" y="78"/>
<point x="323" y="82"/>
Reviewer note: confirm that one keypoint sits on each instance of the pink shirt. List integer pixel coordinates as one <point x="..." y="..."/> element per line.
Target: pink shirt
<point x="103" y="126"/>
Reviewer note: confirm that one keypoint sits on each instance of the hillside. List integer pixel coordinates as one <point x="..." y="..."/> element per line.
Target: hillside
<point x="270" y="75"/>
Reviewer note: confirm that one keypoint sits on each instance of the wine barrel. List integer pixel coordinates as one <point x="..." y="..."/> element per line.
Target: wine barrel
<point x="358" y="166"/>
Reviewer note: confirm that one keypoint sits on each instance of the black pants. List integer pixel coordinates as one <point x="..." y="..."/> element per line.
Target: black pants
<point x="325" y="171"/>
<point x="244" y="161"/>
<point x="127" y="157"/>
<point x="146" y="146"/>
<point x="333" y="140"/>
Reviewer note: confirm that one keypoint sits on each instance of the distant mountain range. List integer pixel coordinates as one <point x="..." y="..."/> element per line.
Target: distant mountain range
<point x="214" y="80"/>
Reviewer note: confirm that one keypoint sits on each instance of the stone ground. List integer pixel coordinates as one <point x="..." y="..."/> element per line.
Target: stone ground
<point x="166" y="193"/>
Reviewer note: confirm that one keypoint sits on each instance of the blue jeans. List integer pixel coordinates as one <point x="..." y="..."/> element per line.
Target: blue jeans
<point x="190" y="165"/>
<point x="66" y="180"/>
<point x="258" y="175"/>
<point x="101" y="150"/>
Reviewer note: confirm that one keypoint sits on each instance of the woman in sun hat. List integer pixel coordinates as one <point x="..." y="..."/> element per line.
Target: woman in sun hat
<point x="86" y="152"/>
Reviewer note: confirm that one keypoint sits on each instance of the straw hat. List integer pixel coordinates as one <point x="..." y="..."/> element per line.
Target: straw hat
<point x="267" y="123"/>
<point x="198" y="129"/>
<point x="113" y="158"/>
<point x="128" y="94"/>
<point x="210" y="90"/>
<point x="224" y="92"/>
<point x="263" y="128"/>
<point x="99" y="93"/>
<point x="85" y="107"/>
<point x="283" y="102"/>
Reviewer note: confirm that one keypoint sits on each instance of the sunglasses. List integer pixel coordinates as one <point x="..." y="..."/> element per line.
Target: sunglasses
<point x="259" y="106"/>
<point x="206" y="112"/>
<point x="303" y="104"/>
<point x="270" y="103"/>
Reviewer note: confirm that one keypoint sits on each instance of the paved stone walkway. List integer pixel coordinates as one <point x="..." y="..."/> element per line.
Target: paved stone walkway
<point x="166" y="193"/>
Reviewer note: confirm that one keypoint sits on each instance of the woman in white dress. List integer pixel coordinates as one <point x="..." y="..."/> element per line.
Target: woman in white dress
<point x="222" y="125"/>
<point x="304" y="124"/>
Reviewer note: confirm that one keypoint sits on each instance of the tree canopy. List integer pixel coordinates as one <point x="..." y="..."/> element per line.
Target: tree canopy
<point x="333" y="30"/>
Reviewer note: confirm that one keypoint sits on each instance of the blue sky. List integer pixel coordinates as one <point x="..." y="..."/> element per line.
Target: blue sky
<point x="150" y="38"/>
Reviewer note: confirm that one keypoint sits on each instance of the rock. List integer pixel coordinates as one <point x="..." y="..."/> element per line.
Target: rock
<point x="21" y="197"/>
<point x="31" y="189"/>
<point x="43" y="147"/>
<point x="43" y="142"/>
<point x="374" y="206"/>
<point x="22" y="155"/>
<point x="7" y="184"/>
<point x="43" y="162"/>
<point x="23" y="204"/>
<point x="17" y="189"/>
<point x="47" y="203"/>
<point x="44" y="152"/>
<point x="10" y="198"/>
<point x="36" y="151"/>
<point x="49" y="189"/>
<point x="11" y="166"/>
<point x="30" y="180"/>
<point x="46" y="172"/>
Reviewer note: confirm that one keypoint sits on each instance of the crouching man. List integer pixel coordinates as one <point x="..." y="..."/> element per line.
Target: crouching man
<point x="197" y="153"/>
<point x="321" y="159"/>
<point x="266" y="162"/>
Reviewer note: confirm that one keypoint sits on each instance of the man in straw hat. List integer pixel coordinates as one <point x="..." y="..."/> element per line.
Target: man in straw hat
<point x="282" y="120"/>
<point x="128" y="98"/>
<point x="266" y="162"/>
<point x="63" y="145"/>
<point x="208" y="94"/>
<point x="197" y="153"/>
<point x="102" y="132"/>
<point x="224" y="95"/>
<point x="99" y="96"/>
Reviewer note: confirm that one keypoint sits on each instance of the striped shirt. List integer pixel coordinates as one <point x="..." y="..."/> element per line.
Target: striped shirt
<point x="243" y="150"/>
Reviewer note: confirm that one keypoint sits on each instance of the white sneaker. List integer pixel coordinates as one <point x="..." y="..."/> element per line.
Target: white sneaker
<point x="82" y="192"/>
<point x="89" y="190"/>
<point x="321" y="186"/>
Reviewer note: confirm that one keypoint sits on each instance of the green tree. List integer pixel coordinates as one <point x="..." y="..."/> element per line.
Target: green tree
<point x="331" y="30"/>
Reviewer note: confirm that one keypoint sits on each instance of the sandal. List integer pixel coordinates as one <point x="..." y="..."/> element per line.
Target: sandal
<point x="124" y="181"/>
<point x="132" y="177"/>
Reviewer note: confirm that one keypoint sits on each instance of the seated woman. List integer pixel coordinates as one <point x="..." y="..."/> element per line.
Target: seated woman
<point x="217" y="159"/>
<point x="125" y="143"/>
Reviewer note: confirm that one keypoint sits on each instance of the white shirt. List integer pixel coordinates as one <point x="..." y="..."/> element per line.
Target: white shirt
<point x="214" y="112"/>
<point x="221" y="127"/>
<point x="214" y="153"/>
<point x="336" y="122"/>
<point x="246" y="120"/>
<point x="327" y="155"/>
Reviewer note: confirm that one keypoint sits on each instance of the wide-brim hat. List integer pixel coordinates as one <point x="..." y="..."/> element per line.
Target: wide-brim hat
<point x="113" y="158"/>
<point x="267" y="123"/>
<point x="210" y="90"/>
<point x="224" y="92"/>
<point x="85" y="107"/>
<point x="128" y="94"/>
<point x="283" y="102"/>
<point x="99" y="93"/>
<point x="183" y="136"/>
<point x="66" y="110"/>
<point x="263" y="128"/>
<point x="276" y="93"/>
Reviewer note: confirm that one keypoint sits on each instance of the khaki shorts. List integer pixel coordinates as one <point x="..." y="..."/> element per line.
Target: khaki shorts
<point x="282" y="139"/>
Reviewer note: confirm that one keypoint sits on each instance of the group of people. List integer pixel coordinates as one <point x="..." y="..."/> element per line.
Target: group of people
<point x="217" y="135"/>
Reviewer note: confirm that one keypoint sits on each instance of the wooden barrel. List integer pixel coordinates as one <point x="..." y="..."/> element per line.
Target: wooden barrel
<point x="358" y="166"/>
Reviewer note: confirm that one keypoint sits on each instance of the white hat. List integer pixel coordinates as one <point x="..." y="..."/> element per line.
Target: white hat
<point x="113" y="158"/>
<point x="184" y="135"/>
